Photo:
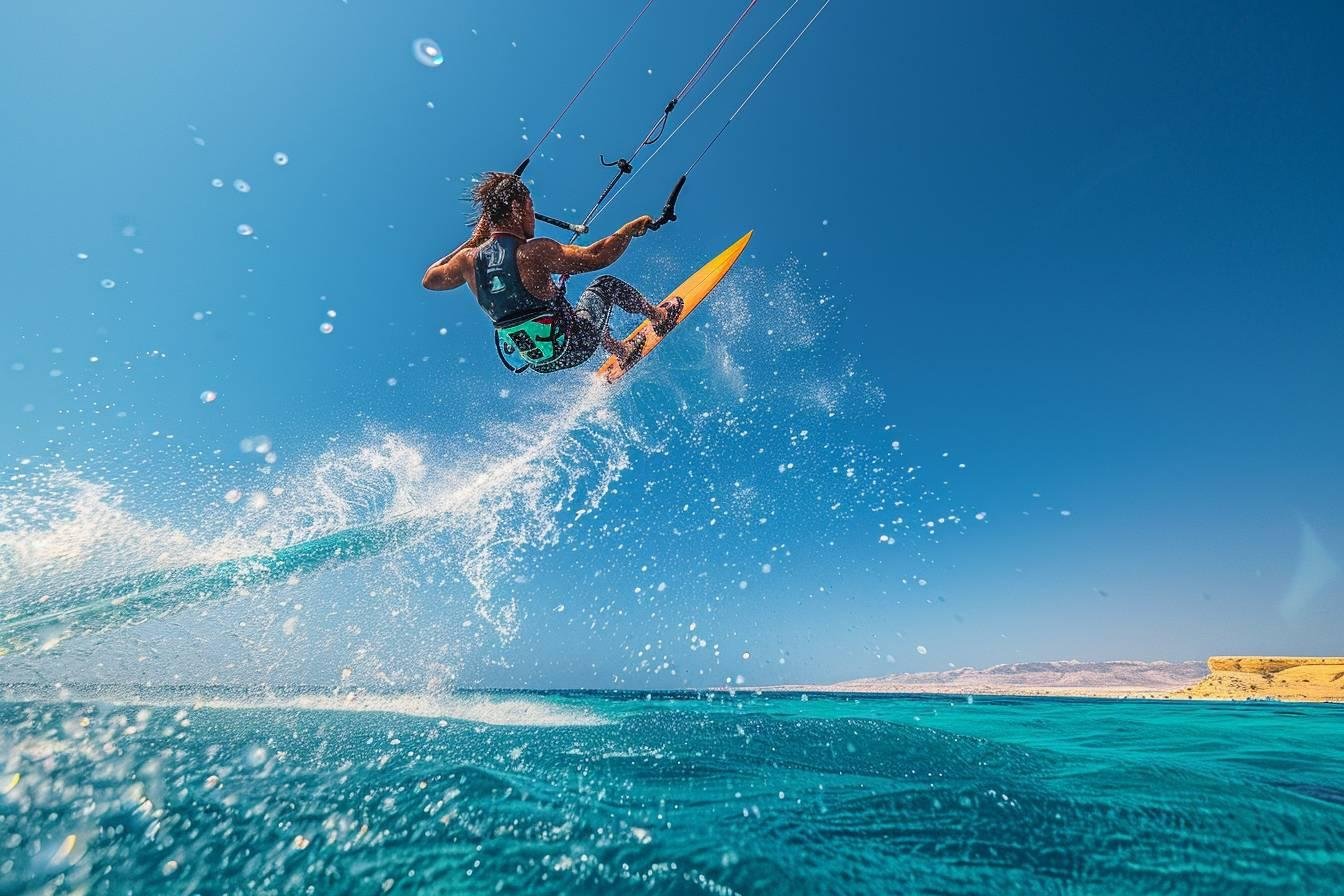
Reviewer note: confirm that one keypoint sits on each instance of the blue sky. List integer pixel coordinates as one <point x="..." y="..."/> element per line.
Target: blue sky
<point x="1092" y="252"/>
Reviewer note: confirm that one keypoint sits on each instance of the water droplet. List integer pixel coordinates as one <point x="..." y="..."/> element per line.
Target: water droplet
<point x="232" y="495"/>
<point x="427" y="52"/>
<point x="208" y="396"/>
<point x="82" y="256"/>
<point x="325" y="327"/>
<point x="331" y="312"/>
<point x="921" y="650"/>
<point x="245" y="230"/>
<point x="108" y="284"/>
<point x="391" y="381"/>
<point x="242" y="186"/>
<point x="217" y="182"/>
<point x="280" y="159"/>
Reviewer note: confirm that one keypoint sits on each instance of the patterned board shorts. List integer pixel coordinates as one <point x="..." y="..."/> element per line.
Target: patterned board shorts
<point x="585" y="322"/>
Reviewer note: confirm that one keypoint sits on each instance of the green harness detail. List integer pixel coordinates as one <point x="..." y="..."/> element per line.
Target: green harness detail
<point x="538" y="340"/>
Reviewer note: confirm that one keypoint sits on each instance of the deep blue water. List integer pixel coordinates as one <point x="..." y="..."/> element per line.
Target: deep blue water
<point x="552" y="793"/>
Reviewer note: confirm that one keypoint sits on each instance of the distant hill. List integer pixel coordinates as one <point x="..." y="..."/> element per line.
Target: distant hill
<point x="1116" y="678"/>
<point x="1297" y="678"/>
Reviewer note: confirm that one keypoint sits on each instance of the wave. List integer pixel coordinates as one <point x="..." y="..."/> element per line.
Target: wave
<point x="485" y="709"/>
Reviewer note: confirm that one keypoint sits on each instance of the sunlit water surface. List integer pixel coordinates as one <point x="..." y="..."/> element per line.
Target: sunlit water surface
<point x="557" y="792"/>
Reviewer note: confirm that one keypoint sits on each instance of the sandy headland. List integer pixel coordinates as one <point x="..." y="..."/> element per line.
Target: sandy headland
<point x="1290" y="678"/>
<point x="1316" y="679"/>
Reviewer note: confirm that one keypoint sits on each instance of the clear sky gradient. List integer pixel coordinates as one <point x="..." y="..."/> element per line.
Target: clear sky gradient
<point x="1091" y="251"/>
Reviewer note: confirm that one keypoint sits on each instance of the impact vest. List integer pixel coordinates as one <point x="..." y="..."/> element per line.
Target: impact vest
<point x="524" y="323"/>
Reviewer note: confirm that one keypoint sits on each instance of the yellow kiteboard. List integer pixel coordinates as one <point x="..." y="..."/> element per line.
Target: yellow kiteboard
<point x="696" y="287"/>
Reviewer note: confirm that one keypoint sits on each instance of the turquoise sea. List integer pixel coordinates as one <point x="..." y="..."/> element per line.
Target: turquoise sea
<point x="530" y="792"/>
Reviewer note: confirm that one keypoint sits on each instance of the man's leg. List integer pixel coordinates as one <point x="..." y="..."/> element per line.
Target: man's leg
<point x="623" y="295"/>
<point x="586" y="323"/>
<point x="606" y="291"/>
<point x="595" y="306"/>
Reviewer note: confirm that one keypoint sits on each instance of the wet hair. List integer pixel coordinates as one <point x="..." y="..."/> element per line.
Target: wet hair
<point x="496" y="193"/>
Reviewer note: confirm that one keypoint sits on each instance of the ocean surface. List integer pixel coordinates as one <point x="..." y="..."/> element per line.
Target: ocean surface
<point x="529" y="792"/>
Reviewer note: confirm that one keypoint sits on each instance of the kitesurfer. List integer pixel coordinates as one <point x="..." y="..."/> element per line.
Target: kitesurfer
<point x="511" y="274"/>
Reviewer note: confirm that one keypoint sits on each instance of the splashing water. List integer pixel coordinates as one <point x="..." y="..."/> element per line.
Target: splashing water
<point x="402" y="554"/>
<point x="73" y="560"/>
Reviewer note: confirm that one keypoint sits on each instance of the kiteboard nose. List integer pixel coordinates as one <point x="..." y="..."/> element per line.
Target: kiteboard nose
<point x="691" y="292"/>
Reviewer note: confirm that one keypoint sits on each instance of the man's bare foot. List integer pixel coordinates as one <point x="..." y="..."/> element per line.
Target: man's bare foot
<point x="626" y="351"/>
<point x="666" y="314"/>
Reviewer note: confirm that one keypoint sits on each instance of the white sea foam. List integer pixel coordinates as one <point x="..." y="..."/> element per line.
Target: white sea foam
<point x="486" y="709"/>
<point x="502" y="711"/>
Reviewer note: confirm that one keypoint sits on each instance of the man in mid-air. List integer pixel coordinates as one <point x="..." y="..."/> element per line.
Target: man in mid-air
<point x="510" y="272"/>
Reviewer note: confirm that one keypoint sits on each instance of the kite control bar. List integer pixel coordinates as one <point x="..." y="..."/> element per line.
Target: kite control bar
<point x="554" y="222"/>
<point x="668" y="215"/>
<point x="563" y="225"/>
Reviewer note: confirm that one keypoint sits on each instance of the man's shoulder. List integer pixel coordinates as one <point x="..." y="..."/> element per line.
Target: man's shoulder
<point x="540" y="249"/>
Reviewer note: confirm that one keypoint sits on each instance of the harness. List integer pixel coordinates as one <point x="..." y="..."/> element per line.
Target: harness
<point x="539" y="339"/>
<point x="525" y="326"/>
